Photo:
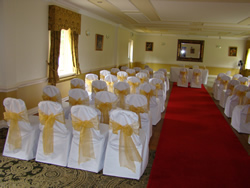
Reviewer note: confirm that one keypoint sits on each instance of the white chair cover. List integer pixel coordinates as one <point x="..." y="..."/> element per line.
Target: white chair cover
<point x="151" y="72"/>
<point x="138" y="103"/>
<point x="76" y="97"/>
<point x="105" y="101"/>
<point x="217" y="83"/>
<point x="114" y="71"/>
<point x="228" y="73"/>
<point x="134" y="83"/>
<point x="121" y="89"/>
<point x="154" y="103"/>
<point x="112" y="165"/>
<point x="160" y="93"/>
<point x="166" y="78"/>
<point x="110" y="81"/>
<point x="228" y="92"/>
<point x="137" y="69"/>
<point x="145" y="71"/>
<point x="131" y="72"/>
<point x="241" y="116"/>
<point x="54" y="143"/>
<point x="196" y="79"/>
<point x="122" y="76"/>
<point x="77" y="83"/>
<point x="237" y="76"/>
<point x="52" y="93"/>
<point x="236" y="99"/>
<point x="104" y="73"/>
<point x="124" y="68"/>
<point x="22" y="138"/>
<point x="195" y="66"/>
<point x="183" y="78"/>
<point x="97" y="86"/>
<point x="222" y="87"/>
<point x="89" y="137"/>
<point x="160" y="75"/>
<point x="243" y="81"/>
<point x="142" y="76"/>
<point x="89" y="78"/>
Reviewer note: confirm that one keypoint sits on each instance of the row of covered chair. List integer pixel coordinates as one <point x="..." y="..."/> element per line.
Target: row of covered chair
<point x="120" y="147"/>
<point x="234" y="96"/>
<point x="183" y="78"/>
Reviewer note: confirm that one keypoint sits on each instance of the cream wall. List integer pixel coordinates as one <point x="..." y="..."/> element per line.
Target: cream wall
<point x="165" y="50"/>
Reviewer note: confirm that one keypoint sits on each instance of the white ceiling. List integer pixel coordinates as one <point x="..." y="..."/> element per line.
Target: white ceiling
<point x="220" y="18"/>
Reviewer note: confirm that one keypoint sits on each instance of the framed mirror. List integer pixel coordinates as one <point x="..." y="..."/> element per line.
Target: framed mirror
<point x="190" y="50"/>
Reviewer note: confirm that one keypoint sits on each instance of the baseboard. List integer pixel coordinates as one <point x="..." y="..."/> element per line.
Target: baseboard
<point x="3" y="124"/>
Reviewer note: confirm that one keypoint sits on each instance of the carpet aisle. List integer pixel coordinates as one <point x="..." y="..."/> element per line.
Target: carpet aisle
<point x="197" y="147"/>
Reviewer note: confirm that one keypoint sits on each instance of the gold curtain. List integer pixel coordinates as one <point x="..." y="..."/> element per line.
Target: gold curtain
<point x="60" y="18"/>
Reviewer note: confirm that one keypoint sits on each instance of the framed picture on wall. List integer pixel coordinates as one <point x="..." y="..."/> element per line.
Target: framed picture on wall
<point x="99" y="42"/>
<point x="232" y="51"/>
<point x="149" y="46"/>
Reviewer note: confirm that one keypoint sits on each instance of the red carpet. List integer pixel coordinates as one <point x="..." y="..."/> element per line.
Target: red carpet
<point x="197" y="147"/>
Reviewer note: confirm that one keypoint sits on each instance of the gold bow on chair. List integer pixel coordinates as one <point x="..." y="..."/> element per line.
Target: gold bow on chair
<point x="158" y="87"/>
<point x="89" y="84"/>
<point x="244" y="83"/>
<point x="121" y="94"/>
<point x="48" y="98"/>
<point x="143" y="79"/>
<point x="14" y="138"/>
<point x="110" y="86"/>
<point x="48" y="122"/>
<point x="133" y="86"/>
<point x="183" y="77"/>
<point x="102" y="77"/>
<point x="79" y="101"/>
<point x="131" y="74"/>
<point x="128" y="152"/>
<point x="197" y="77"/>
<point x="104" y="108"/>
<point x="241" y="95"/>
<point x="75" y="86"/>
<point x="95" y="89"/>
<point x="231" y="88"/>
<point x="86" y="148"/>
<point x="224" y="83"/>
<point x="121" y="77"/>
<point x="138" y="110"/>
<point x="147" y="95"/>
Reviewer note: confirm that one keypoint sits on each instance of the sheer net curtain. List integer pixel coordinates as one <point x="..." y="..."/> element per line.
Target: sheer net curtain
<point x="60" y="18"/>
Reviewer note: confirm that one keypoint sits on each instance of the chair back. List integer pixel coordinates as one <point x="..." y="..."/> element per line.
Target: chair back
<point x="148" y="91"/>
<point x="224" y="81"/>
<point x="240" y="92"/>
<point x="145" y="71"/>
<point x="159" y="75"/>
<point x="114" y="71"/>
<point x="104" y="73"/>
<point x="124" y="68"/>
<point x="110" y="81"/>
<point x="243" y="81"/>
<point x="77" y="83"/>
<point x="78" y="97"/>
<point x="142" y="76"/>
<point x="122" y="76"/>
<point x="151" y="72"/>
<point x="121" y="89"/>
<point x="89" y="78"/>
<point x="131" y="72"/>
<point x="237" y="76"/>
<point x="99" y="85"/>
<point x="134" y="83"/>
<point x="51" y="93"/>
<point x="105" y="101"/>
<point x="165" y="71"/>
<point x="137" y="69"/>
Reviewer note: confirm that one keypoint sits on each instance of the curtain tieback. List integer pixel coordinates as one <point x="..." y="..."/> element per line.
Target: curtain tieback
<point x="128" y="152"/>
<point x="48" y="122"/>
<point x="14" y="138"/>
<point x="86" y="148"/>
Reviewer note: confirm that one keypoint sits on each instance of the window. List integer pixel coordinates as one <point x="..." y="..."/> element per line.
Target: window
<point x="65" y="58"/>
<point x="247" y="66"/>
<point x="130" y="50"/>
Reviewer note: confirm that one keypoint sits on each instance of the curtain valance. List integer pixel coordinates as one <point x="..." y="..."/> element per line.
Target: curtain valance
<point x="60" y="18"/>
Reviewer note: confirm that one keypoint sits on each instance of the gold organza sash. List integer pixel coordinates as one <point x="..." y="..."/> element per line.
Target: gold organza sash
<point x="121" y="77"/>
<point x="48" y="98"/>
<point x="102" y="77"/>
<point x="14" y="138"/>
<point x="197" y="77"/>
<point x="95" y="89"/>
<point x="110" y="86"/>
<point x="121" y="94"/>
<point x="48" y="122"/>
<point x="104" y="108"/>
<point x="138" y="110"/>
<point x="224" y="83"/>
<point x="231" y="88"/>
<point x="158" y="87"/>
<point x="75" y="86"/>
<point x="143" y="79"/>
<point x="244" y="83"/>
<point x="128" y="152"/>
<point x="183" y="77"/>
<point x="133" y="86"/>
<point x="89" y="84"/>
<point x="147" y="95"/>
<point x="241" y="95"/>
<point x="79" y="101"/>
<point x="131" y="74"/>
<point x="86" y="148"/>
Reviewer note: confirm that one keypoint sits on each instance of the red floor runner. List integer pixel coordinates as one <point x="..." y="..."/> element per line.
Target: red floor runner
<point x="197" y="147"/>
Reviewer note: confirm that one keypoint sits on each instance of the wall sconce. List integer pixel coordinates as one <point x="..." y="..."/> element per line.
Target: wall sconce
<point x="107" y="36"/>
<point x="87" y="33"/>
